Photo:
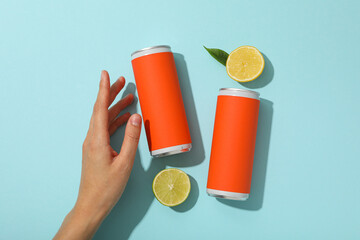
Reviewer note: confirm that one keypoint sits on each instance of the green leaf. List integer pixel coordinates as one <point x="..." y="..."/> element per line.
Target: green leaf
<point x="220" y="55"/>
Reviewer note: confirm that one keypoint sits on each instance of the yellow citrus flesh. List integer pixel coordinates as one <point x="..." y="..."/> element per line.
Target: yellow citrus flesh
<point x="245" y="64"/>
<point x="171" y="187"/>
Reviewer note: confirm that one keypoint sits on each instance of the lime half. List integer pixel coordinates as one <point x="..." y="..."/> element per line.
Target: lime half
<point x="171" y="187"/>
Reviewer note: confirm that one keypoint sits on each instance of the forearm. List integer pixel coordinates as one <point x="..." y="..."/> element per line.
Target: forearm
<point x="80" y="223"/>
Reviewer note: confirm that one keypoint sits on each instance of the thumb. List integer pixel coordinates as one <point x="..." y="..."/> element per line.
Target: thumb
<point x="131" y="139"/>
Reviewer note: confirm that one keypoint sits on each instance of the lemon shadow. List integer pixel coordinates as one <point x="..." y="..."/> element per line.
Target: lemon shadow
<point x="264" y="79"/>
<point x="192" y="198"/>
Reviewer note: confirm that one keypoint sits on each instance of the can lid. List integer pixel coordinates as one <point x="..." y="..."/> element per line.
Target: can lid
<point x="239" y="93"/>
<point x="150" y="50"/>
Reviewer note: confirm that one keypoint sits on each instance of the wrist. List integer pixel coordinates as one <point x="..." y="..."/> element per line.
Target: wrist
<point x="83" y="221"/>
<point x="88" y="214"/>
<point x="80" y="223"/>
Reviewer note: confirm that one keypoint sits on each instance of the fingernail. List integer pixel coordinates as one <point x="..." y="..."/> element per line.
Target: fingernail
<point x="135" y="120"/>
<point x="119" y="80"/>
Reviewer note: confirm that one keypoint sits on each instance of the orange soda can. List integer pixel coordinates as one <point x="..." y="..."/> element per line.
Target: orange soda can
<point x="233" y="144"/>
<point x="161" y="103"/>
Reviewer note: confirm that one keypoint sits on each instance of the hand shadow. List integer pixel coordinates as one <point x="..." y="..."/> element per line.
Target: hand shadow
<point x="138" y="195"/>
<point x="197" y="153"/>
<point x="256" y="198"/>
<point x="265" y="78"/>
<point x="134" y="202"/>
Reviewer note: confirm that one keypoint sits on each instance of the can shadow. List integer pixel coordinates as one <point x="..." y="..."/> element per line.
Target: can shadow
<point x="265" y="78"/>
<point x="138" y="195"/>
<point x="192" y="198"/>
<point x="197" y="153"/>
<point x="256" y="198"/>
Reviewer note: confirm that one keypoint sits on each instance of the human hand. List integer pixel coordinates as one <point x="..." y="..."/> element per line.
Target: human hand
<point x="104" y="172"/>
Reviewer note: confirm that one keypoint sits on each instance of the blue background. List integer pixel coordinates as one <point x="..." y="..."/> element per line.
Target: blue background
<point x="306" y="172"/>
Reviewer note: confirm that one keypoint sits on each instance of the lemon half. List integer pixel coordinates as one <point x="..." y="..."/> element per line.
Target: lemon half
<point x="171" y="187"/>
<point x="245" y="64"/>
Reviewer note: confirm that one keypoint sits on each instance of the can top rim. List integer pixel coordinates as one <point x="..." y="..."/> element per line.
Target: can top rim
<point x="239" y="89"/>
<point x="149" y="48"/>
<point x="239" y="92"/>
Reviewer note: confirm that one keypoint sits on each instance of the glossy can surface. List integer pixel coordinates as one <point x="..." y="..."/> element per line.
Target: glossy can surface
<point x="161" y="102"/>
<point x="233" y="144"/>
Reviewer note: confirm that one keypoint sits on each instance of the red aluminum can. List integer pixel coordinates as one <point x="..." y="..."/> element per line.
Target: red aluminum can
<point x="233" y="144"/>
<point x="161" y="103"/>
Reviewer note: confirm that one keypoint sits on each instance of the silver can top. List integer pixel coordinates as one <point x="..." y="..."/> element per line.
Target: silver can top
<point x="239" y="93"/>
<point x="150" y="50"/>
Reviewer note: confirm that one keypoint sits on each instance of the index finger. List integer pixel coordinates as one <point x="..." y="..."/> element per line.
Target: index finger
<point x="100" y="113"/>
